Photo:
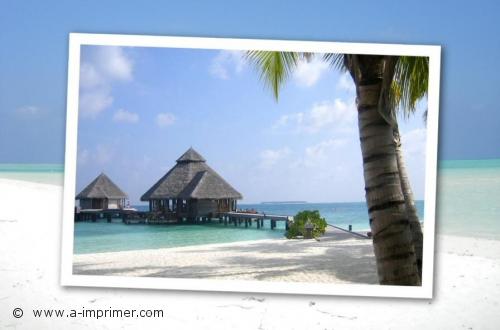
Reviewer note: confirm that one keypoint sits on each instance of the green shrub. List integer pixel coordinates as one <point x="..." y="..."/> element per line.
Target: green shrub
<point x="301" y="218"/>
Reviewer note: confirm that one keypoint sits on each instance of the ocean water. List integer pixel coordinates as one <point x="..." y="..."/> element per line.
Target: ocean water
<point x="468" y="204"/>
<point x="468" y="198"/>
<point x="39" y="173"/>
<point x="106" y="237"/>
<point x="338" y="214"/>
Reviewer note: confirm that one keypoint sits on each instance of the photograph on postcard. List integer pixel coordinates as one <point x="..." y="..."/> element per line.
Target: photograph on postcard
<point x="251" y="161"/>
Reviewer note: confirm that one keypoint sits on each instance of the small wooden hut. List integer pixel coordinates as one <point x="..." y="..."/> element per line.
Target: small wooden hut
<point x="191" y="189"/>
<point x="101" y="194"/>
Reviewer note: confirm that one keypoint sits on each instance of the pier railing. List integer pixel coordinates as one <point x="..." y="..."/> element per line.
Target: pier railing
<point x="349" y="231"/>
<point x="248" y="218"/>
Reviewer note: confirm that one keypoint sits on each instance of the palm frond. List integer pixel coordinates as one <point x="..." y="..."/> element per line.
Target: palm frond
<point x="275" y="67"/>
<point x="410" y="83"/>
<point x="337" y="61"/>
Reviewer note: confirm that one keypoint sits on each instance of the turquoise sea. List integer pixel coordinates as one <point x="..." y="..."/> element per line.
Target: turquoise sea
<point x="468" y="198"/>
<point x="102" y="236"/>
<point x="468" y="204"/>
<point x="40" y="173"/>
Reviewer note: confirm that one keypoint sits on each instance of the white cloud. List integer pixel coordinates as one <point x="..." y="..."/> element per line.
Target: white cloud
<point x="165" y="119"/>
<point x="320" y="150"/>
<point x="89" y="76"/>
<point x="101" y="67"/>
<point x="309" y="72"/>
<point x="328" y="113"/>
<point x="125" y="116"/>
<point x="413" y="142"/>
<point x="115" y="64"/>
<point x="270" y="157"/>
<point x="328" y="169"/>
<point x="83" y="156"/>
<point x="294" y="118"/>
<point x="345" y="83"/>
<point x="29" y="110"/>
<point x="227" y="63"/>
<point x="320" y="155"/>
<point x="94" y="102"/>
<point x="337" y="115"/>
<point x="100" y="155"/>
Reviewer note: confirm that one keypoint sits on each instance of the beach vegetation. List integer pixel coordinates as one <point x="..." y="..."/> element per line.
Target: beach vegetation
<point x="297" y="228"/>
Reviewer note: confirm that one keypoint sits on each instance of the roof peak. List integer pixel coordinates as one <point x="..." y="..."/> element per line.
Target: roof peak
<point x="190" y="155"/>
<point x="101" y="187"/>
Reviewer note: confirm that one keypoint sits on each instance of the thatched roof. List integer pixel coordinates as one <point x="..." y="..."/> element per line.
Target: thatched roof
<point x="191" y="155"/>
<point x="190" y="178"/>
<point x="102" y="187"/>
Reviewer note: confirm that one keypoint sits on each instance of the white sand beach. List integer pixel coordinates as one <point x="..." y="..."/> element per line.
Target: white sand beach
<point x="337" y="257"/>
<point x="466" y="295"/>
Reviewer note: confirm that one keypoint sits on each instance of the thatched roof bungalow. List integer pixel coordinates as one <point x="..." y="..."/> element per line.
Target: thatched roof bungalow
<point x="102" y="194"/>
<point x="191" y="189"/>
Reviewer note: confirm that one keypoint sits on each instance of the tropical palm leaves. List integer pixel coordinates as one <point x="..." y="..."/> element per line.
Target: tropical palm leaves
<point x="409" y="81"/>
<point x="275" y="67"/>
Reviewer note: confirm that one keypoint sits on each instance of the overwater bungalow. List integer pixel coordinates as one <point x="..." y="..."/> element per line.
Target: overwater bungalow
<point x="102" y="194"/>
<point x="191" y="189"/>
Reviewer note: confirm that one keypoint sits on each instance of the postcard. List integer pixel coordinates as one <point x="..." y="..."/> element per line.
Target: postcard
<point x="245" y="165"/>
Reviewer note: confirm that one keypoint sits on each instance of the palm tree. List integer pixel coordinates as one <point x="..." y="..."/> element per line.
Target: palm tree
<point x="383" y="84"/>
<point x="411" y="80"/>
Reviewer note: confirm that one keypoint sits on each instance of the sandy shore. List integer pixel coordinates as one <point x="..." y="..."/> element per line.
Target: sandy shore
<point x="338" y="257"/>
<point x="466" y="295"/>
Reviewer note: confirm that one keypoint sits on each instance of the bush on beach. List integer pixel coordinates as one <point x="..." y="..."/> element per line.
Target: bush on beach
<point x="299" y="221"/>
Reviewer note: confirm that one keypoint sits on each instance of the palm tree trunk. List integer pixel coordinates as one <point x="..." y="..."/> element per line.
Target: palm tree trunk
<point x="411" y="211"/>
<point x="392" y="240"/>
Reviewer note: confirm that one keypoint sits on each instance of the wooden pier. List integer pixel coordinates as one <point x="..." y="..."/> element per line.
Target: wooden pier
<point x="108" y="214"/>
<point x="248" y="218"/>
<point x="235" y="219"/>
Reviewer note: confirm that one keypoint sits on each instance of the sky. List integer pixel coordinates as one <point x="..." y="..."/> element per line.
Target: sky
<point x="141" y="108"/>
<point x="34" y="55"/>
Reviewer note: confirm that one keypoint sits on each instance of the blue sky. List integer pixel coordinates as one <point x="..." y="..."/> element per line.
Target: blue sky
<point x="33" y="57"/>
<point x="141" y="108"/>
